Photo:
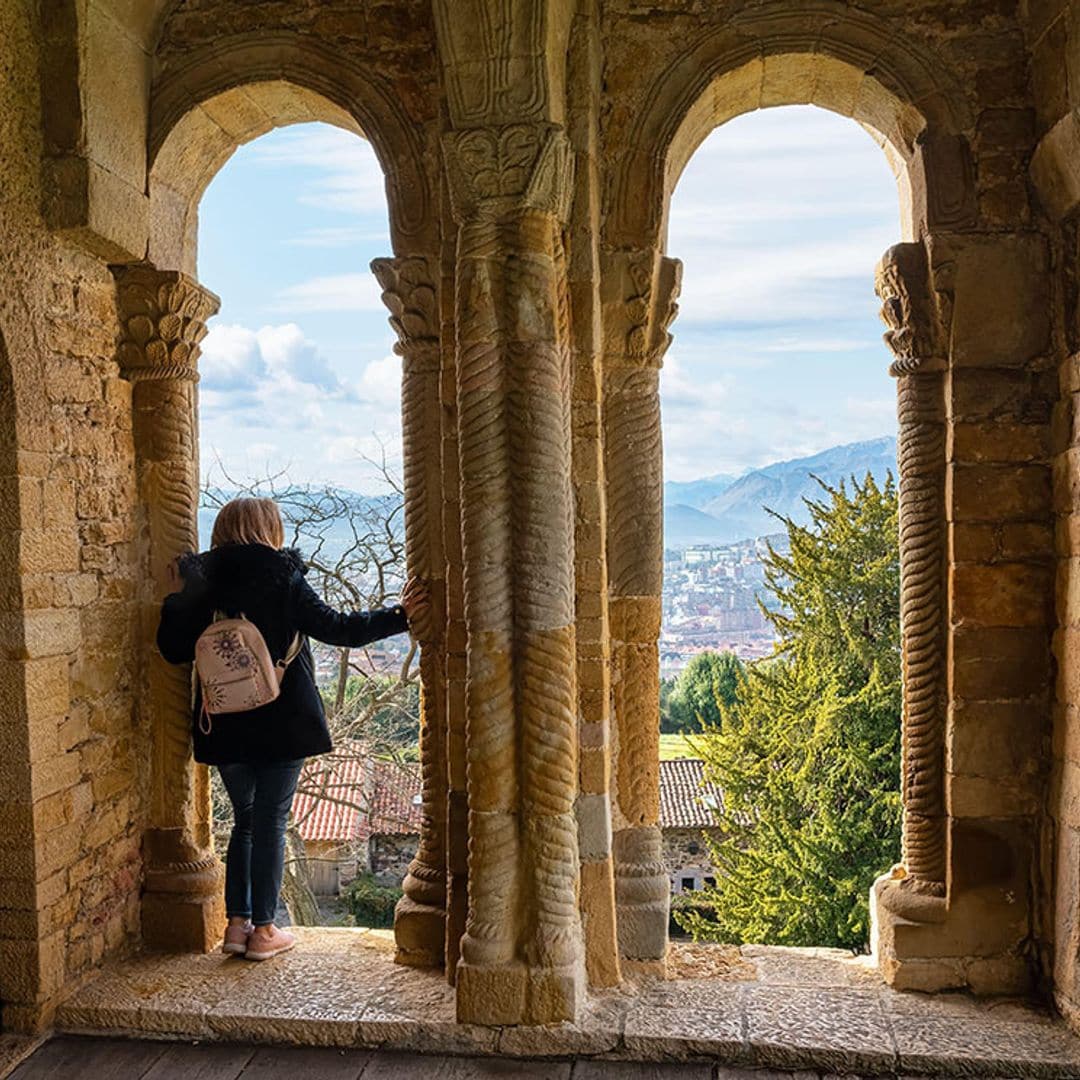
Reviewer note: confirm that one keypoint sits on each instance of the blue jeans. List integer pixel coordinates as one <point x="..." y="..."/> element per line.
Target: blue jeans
<point x="261" y="794"/>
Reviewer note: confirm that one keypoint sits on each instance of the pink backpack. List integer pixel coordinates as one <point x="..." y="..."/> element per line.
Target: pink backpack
<point x="235" y="670"/>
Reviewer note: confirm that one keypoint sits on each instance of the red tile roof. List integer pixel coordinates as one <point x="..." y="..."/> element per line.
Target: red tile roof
<point x="347" y="795"/>
<point x="330" y="797"/>
<point x="686" y="800"/>
<point x="334" y="803"/>
<point x="395" y="806"/>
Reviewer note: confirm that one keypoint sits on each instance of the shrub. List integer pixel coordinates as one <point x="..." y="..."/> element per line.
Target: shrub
<point x="370" y="903"/>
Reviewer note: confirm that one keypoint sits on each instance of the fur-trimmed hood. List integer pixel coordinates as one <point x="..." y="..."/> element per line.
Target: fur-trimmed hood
<point x="237" y="570"/>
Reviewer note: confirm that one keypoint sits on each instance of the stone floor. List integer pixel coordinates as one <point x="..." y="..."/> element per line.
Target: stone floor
<point x="759" y="1007"/>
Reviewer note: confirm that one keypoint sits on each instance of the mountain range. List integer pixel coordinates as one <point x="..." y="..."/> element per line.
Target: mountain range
<point x="722" y="509"/>
<point x="716" y="509"/>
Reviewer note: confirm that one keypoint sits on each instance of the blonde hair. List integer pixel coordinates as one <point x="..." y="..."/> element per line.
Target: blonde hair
<point x="249" y="521"/>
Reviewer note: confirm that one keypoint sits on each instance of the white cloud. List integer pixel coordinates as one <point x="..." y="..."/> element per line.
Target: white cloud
<point x="340" y="237"/>
<point x="274" y="371"/>
<point x="380" y="382"/>
<point x="333" y="292"/>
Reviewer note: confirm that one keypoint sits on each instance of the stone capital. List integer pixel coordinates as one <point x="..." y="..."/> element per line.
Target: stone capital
<point x="496" y="171"/>
<point x="410" y="293"/>
<point x="639" y="294"/>
<point x="162" y="315"/>
<point x="902" y="281"/>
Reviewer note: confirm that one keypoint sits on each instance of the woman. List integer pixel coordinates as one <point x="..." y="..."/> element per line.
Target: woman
<point x="260" y="753"/>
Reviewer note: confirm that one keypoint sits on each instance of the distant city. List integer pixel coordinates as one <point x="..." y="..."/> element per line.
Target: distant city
<point x="717" y="532"/>
<point x="710" y="602"/>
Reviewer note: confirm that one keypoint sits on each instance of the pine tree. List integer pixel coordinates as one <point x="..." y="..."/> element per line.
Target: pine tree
<point x="808" y="756"/>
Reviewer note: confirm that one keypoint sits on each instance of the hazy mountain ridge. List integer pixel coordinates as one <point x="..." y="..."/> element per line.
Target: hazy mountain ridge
<point x="737" y="510"/>
<point x="717" y="509"/>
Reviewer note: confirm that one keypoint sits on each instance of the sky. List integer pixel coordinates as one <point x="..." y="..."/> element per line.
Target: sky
<point x="779" y="219"/>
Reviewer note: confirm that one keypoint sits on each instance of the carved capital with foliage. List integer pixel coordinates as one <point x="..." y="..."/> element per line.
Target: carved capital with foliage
<point x="163" y="318"/>
<point x="493" y="171"/>
<point x="640" y="291"/>
<point x="902" y="280"/>
<point x="410" y="294"/>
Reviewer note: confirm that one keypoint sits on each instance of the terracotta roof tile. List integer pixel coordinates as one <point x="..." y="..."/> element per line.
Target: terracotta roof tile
<point x="395" y="806"/>
<point x="334" y="803"/>
<point x="346" y="796"/>
<point x="330" y="797"/>
<point x="686" y="801"/>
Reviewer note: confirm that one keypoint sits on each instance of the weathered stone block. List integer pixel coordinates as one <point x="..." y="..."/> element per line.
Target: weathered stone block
<point x="995" y="663"/>
<point x="997" y="492"/>
<point x="1006" y="594"/>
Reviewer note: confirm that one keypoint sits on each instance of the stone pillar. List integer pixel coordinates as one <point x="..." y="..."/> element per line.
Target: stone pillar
<point x="457" y="799"/>
<point x="162" y="320"/>
<point x="639" y="291"/>
<point x="521" y="954"/>
<point x="915" y="889"/>
<point x="409" y="291"/>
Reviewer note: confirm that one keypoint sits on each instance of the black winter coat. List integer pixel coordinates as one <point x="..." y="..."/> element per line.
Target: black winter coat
<point x="267" y="586"/>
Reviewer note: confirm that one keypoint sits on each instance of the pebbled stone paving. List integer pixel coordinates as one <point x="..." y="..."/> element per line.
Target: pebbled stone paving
<point x="796" y="1010"/>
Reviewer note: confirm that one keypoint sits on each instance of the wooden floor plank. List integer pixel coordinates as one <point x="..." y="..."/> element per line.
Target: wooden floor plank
<point x="305" y="1063"/>
<point x="640" y="1070"/>
<point x="387" y="1065"/>
<point x="201" y="1061"/>
<point x="76" y="1057"/>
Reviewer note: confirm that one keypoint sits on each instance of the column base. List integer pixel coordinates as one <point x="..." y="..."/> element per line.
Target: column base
<point x="642" y="898"/>
<point x="516" y="994"/>
<point x="183" y="903"/>
<point x="183" y="907"/>
<point x="419" y="934"/>
<point x="976" y="941"/>
<point x="902" y="923"/>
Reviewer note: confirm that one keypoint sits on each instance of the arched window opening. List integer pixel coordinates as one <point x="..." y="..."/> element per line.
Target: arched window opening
<point x="780" y="638"/>
<point x="300" y="400"/>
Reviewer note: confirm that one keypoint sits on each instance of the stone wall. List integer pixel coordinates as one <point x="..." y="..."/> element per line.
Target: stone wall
<point x="71" y="755"/>
<point x="389" y="856"/>
<point x="686" y="850"/>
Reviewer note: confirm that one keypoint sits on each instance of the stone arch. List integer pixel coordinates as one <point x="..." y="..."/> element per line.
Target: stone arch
<point x="846" y="61"/>
<point x="851" y="63"/>
<point x="240" y="88"/>
<point x="201" y="110"/>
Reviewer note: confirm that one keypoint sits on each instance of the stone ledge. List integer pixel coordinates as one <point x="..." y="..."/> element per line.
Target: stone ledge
<point x="791" y="1009"/>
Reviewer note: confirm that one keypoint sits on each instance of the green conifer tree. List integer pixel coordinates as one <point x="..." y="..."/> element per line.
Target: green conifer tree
<point x="808" y="756"/>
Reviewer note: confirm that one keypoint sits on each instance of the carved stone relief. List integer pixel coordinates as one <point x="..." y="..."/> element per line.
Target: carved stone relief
<point x="903" y="283"/>
<point x="162" y="321"/>
<point x="410" y="294"/>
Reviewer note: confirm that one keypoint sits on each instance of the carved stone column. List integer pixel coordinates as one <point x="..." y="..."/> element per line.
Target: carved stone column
<point x="162" y="320"/>
<point x="521" y="954"/>
<point x="409" y="291"/>
<point x="639" y="292"/>
<point x="916" y="888"/>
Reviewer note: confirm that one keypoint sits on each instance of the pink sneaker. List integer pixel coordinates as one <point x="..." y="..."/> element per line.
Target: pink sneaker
<point x="236" y="939"/>
<point x="267" y="942"/>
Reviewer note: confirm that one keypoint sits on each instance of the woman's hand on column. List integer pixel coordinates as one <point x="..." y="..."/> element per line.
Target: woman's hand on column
<point x="416" y="600"/>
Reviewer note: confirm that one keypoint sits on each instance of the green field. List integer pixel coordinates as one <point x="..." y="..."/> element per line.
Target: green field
<point x="676" y="746"/>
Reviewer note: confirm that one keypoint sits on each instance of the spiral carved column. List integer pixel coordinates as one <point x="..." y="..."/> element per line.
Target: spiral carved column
<point x="639" y="291"/>
<point x="521" y="954"/>
<point x="162" y="320"/>
<point x="916" y="888"/>
<point x="410" y="293"/>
